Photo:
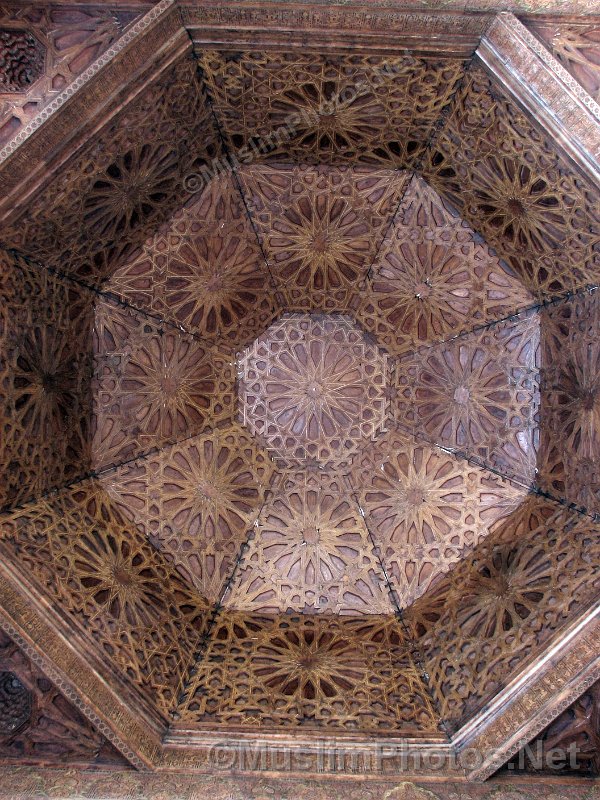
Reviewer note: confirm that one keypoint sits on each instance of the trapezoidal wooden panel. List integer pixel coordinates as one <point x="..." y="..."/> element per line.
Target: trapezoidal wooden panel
<point x="309" y="672"/>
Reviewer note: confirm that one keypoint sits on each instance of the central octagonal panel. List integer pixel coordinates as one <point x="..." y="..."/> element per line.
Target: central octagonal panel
<point x="312" y="388"/>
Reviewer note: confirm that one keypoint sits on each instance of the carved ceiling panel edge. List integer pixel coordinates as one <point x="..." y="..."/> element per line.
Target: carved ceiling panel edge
<point x="575" y="732"/>
<point x="44" y="49"/>
<point x="574" y="42"/>
<point x="97" y="94"/>
<point x="28" y="783"/>
<point x="137" y="738"/>
<point x="545" y="89"/>
<point x="38" y="724"/>
<point x="389" y="30"/>
<point x="535" y="698"/>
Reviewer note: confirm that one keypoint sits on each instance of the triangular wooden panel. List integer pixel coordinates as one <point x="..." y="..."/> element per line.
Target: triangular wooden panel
<point x="38" y="725"/>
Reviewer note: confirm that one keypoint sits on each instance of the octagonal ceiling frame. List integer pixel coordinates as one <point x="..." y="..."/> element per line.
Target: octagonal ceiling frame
<point x="558" y="105"/>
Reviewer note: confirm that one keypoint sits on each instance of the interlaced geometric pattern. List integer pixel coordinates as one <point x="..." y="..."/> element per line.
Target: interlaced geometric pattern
<point x="477" y="394"/>
<point x="570" y="456"/>
<point x="432" y="279"/>
<point x="120" y="590"/>
<point x="310" y="552"/>
<point x="152" y="385"/>
<point x="524" y="199"/>
<point x="320" y="228"/>
<point x="425" y="509"/>
<point x="313" y="387"/>
<point x="503" y="602"/>
<point x="329" y="109"/>
<point x="45" y="375"/>
<point x="196" y="501"/>
<point x="120" y="186"/>
<point x="206" y="272"/>
<point x="310" y="672"/>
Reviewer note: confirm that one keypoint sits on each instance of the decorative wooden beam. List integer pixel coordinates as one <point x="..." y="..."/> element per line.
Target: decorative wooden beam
<point x="544" y="88"/>
<point x="316" y="26"/>
<point x="532" y="700"/>
<point x="92" y="687"/>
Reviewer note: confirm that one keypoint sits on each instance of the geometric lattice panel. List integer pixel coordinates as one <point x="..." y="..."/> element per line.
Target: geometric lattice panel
<point x="320" y="228"/>
<point x="432" y="279"/>
<point x="196" y="501"/>
<point x="45" y="374"/>
<point x="118" y="188"/>
<point x="312" y="387"/>
<point x="119" y="592"/>
<point x="322" y="117"/>
<point x="204" y="271"/>
<point x="425" y="509"/>
<point x="508" y="180"/>
<point x="152" y="385"/>
<point x="310" y="672"/>
<point x="310" y="552"/>
<point x="504" y="602"/>
<point x="477" y="394"/>
<point x="570" y="395"/>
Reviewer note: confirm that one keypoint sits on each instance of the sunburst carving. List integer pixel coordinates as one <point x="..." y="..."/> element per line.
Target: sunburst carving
<point x="119" y="591"/>
<point x="204" y="271"/>
<point x="197" y="501"/>
<point x="425" y="509"/>
<point x="478" y="394"/>
<point x="320" y="228"/>
<point x="432" y="279"/>
<point x="152" y="386"/>
<point x="45" y="373"/>
<point x="313" y="387"/>
<point x="571" y="401"/>
<point x="310" y="552"/>
<point x="340" y="673"/>
<point x="131" y="190"/>
<point x="527" y="202"/>
<point x="329" y="109"/>
<point x="503" y="602"/>
<point x="119" y="187"/>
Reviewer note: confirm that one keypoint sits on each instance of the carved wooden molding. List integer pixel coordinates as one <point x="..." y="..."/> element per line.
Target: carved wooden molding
<point x="545" y="89"/>
<point x="141" y="54"/>
<point x="123" y="722"/>
<point x="377" y="28"/>
<point x="536" y="697"/>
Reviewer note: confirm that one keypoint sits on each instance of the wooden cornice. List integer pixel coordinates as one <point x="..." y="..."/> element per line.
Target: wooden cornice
<point x="545" y="90"/>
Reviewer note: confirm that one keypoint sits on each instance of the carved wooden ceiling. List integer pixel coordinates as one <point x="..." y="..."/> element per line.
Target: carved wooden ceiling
<point x="300" y="385"/>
